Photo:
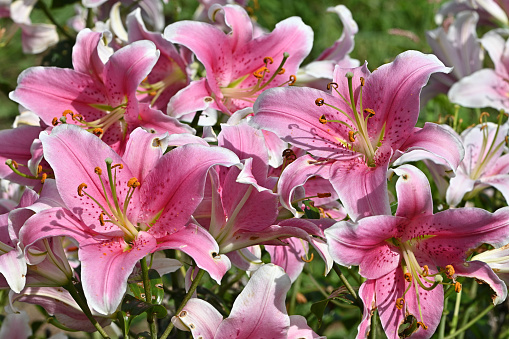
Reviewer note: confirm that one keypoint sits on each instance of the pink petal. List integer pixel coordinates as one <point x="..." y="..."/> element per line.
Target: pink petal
<point x="367" y="294"/>
<point x="196" y="242"/>
<point x="106" y="263"/>
<point x="481" y="271"/>
<point x="260" y="307"/>
<point x="410" y="203"/>
<point x="195" y="97"/>
<point x="289" y="257"/>
<point x="299" y="329"/>
<point x="200" y="317"/>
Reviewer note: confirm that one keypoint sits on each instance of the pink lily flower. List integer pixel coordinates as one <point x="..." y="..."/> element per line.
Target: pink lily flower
<point x="360" y="128"/>
<point x="168" y="75"/>
<point x="239" y="67"/>
<point x="487" y="87"/>
<point x="483" y="165"/>
<point x="120" y="209"/>
<point x="492" y="12"/>
<point x="259" y="310"/>
<point x="458" y="47"/>
<point x="99" y="94"/>
<point x="399" y="255"/>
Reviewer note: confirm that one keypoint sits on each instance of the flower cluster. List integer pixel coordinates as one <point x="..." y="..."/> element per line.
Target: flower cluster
<point x="212" y="148"/>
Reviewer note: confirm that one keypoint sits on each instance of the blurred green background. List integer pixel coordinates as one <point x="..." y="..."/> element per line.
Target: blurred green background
<point x="374" y="42"/>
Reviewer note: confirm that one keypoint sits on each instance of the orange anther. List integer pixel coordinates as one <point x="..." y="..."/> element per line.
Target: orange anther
<point x="98" y="170"/>
<point x="54" y="122"/>
<point x="260" y="72"/>
<point x="101" y="218"/>
<point x="133" y="182"/>
<point x="120" y="166"/>
<point x="425" y="270"/>
<point x="370" y="112"/>
<point x="97" y="131"/>
<point x="15" y="164"/>
<point x="268" y="60"/>
<point x="408" y="277"/>
<point x="293" y="80"/>
<point x="399" y="303"/>
<point x="307" y="260"/>
<point x="457" y="287"/>
<point x="281" y="71"/>
<point x="81" y="187"/>
<point x="323" y="195"/>
<point x="351" y="136"/>
<point x="449" y="271"/>
<point x="322" y="119"/>
<point x="43" y="178"/>
<point x="331" y="84"/>
<point x="67" y="111"/>
<point x="362" y="81"/>
<point x="39" y="169"/>
<point x="319" y="102"/>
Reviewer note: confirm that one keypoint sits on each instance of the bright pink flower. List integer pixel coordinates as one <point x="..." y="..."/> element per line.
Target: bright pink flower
<point x="99" y="94"/>
<point x="122" y="209"/>
<point x="259" y="311"/>
<point x="400" y="255"/>
<point x="357" y="129"/>
<point x="238" y="65"/>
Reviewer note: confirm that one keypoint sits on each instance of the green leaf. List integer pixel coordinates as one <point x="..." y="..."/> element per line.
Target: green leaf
<point x="310" y="210"/>
<point x="156" y="284"/>
<point x="394" y="207"/>
<point x="408" y="327"/>
<point x="318" y="308"/>
<point x="132" y="306"/>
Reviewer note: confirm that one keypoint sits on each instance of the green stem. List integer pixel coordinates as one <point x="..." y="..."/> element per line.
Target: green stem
<point x="471" y="322"/>
<point x="148" y="297"/>
<point x="48" y="14"/>
<point x="472" y="294"/>
<point x="441" y="329"/>
<point x="454" y="323"/>
<point x="373" y="326"/>
<point x="90" y="18"/>
<point x="293" y="298"/>
<point x="349" y="287"/>
<point x="188" y="296"/>
<point x="84" y="307"/>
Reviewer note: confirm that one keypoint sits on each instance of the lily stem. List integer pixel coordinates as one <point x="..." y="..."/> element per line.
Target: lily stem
<point x="84" y="307"/>
<point x="471" y="322"/>
<point x="48" y="14"/>
<point x="188" y="296"/>
<point x="349" y="287"/>
<point x="441" y="328"/>
<point x="148" y="297"/>
<point x="454" y="323"/>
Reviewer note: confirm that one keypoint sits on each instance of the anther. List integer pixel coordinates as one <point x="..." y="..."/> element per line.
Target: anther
<point x="322" y="119"/>
<point x="425" y="270"/>
<point x="77" y="117"/>
<point x="98" y="170"/>
<point x="332" y="85"/>
<point x="39" y="169"/>
<point x="370" y="112"/>
<point x="67" y="111"/>
<point x="307" y="260"/>
<point x="101" y="219"/>
<point x="54" y="122"/>
<point x="408" y="277"/>
<point x="268" y="60"/>
<point x="81" y="187"/>
<point x="449" y="271"/>
<point x="281" y="71"/>
<point x="97" y="131"/>
<point x="362" y="81"/>
<point x="14" y="163"/>
<point x="259" y="73"/>
<point x="420" y="323"/>
<point x="292" y="81"/>
<point x="120" y="166"/>
<point x="319" y="102"/>
<point x="457" y="287"/>
<point x="323" y="195"/>
<point x="351" y="136"/>
<point x="133" y="182"/>
<point x="43" y="178"/>
<point x="399" y="303"/>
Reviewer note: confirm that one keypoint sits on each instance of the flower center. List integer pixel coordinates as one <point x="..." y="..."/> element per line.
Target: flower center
<point x="155" y="89"/>
<point x="236" y="90"/>
<point x="114" y="212"/>
<point x="358" y="137"/>
<point x="488" y="148"/>
<point x="419" y="277"/>
<point x="98" y="126"/>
